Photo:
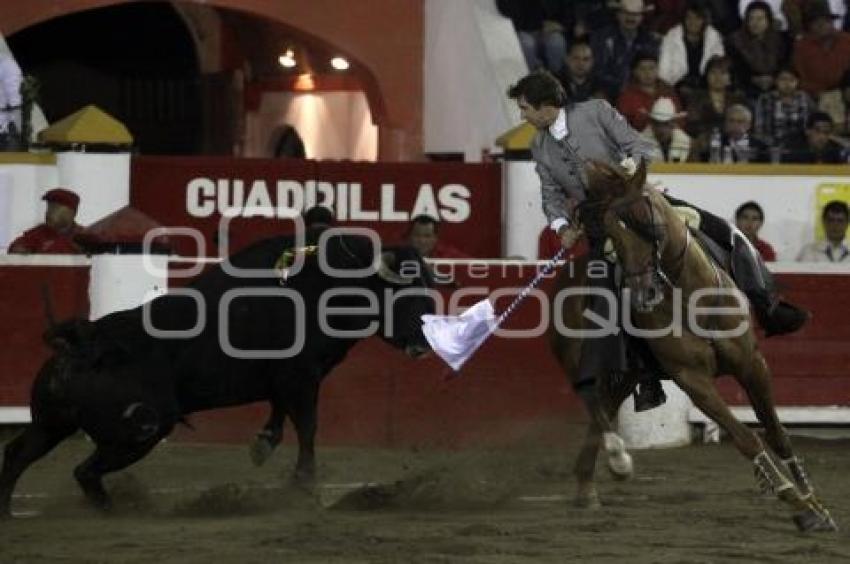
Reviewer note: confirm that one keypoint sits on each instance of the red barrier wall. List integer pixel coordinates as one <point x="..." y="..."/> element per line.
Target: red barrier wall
<point x="511" y="388"/>
<point x="23" y="320"/>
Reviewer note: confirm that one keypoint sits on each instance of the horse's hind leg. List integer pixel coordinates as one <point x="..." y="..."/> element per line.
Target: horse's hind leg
<point x="758" y="386"/>
<point x="701" y="390"/>
<point x="35" y="442"/>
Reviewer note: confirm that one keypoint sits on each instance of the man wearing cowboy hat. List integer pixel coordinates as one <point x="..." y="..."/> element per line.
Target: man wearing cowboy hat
<point x="670" y="143"/>
<point x="822" y="55"/>
<point x="56" y="236"/>
<point x="615" y="46"/>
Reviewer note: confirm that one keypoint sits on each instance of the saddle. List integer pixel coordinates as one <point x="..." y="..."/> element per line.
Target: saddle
<point x="721" y="256"/>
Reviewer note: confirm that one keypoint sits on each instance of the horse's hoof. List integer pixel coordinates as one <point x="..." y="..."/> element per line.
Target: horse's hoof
<point x="810" y="521"/>
<point x="260" y="450"/>
<point x="620" y="466"/>
<point x="304" y="479"/>
<point x="619" y="460"/>
<point x="590" y="502"/>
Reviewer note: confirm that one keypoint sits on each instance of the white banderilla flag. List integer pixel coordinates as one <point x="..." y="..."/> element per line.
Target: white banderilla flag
<point x="456" y="337"/>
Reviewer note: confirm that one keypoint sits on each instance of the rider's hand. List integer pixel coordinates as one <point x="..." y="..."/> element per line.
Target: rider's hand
<point x="568" y="235"/>
<point x="629" y="166"/>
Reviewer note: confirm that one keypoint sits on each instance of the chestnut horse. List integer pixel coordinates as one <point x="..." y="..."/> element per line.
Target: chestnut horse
<point x="664" y="271"/>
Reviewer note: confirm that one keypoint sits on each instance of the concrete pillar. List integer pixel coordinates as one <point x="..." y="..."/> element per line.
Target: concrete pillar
<point x="663" y="427"/>
<point x="522" y="210"/>
<point x="101" y="179"/>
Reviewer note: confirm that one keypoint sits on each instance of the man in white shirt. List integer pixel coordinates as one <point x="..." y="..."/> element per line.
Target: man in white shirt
<point x="835" y="220"/>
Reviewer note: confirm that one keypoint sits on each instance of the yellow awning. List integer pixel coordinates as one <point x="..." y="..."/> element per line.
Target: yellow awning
<point x="89" y="125"/>
<point x="518" y="138"/>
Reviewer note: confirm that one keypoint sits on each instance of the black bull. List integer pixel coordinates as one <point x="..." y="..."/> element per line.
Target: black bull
<point x="128" y="388"/>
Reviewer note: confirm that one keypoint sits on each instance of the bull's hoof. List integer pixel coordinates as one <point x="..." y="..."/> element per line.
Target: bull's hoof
<point x="93" y="490"/>
<point x="811" y="521"/>
<point x="261" y="450"/>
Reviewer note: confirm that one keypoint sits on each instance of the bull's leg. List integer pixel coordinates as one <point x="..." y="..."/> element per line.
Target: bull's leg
<point x="303" y="410"/>
<point x="270" y="437"/>
<point x="107" y="459"/>
<point x="758" y="386"/>
<point x="32" y="444"/>
<point x="700" y="388"/>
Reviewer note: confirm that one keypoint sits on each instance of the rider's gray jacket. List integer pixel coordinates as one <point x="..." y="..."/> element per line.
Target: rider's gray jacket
<point x="583" y="131"/>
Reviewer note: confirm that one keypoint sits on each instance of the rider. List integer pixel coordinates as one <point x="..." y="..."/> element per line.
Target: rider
<point x="570" y="134"/>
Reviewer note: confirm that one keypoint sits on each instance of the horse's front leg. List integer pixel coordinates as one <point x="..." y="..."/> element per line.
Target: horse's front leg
<point x="596" y="391"/>
<point x="585" y="469"/>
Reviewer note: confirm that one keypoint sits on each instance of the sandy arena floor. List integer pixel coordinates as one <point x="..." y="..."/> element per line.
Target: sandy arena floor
<point x="191" y="503"/>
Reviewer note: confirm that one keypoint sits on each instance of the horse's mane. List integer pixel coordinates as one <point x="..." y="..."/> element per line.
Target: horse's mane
<point x="591" y="213"/>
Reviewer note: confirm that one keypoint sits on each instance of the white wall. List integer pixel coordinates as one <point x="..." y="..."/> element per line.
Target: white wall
<point x="102" y="180"/>
<point x="472" y="56"/>
<point x="333" y="125"/>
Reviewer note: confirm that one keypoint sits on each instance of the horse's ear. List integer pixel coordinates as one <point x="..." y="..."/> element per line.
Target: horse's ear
<point x="638" y="180"/>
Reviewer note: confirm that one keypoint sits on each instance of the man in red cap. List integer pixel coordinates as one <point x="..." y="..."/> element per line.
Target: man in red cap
<point x="56" y="236"/>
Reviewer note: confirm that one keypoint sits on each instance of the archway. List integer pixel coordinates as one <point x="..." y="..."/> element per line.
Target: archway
<point x="384" y="36"/>
<point x="149" y="82"/>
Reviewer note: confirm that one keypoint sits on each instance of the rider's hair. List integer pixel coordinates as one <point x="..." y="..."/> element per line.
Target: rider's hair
<point x="538" y="88"/>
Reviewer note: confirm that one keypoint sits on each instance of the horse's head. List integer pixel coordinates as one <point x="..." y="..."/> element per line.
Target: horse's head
<point x="631" y="216"/>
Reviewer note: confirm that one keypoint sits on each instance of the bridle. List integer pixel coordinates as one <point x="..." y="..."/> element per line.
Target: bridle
<point x="649" y="233"/>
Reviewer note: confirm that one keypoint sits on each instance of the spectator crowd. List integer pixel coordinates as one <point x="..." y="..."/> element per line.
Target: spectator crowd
<point x="706" y="80"/>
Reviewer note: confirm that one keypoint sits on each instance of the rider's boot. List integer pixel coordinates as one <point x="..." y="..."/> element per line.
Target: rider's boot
<point x="753" y="278"/>
<point x="649" y="393"/>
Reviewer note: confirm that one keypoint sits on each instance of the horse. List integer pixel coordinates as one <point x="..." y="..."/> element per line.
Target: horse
<point x="662" y="268"/>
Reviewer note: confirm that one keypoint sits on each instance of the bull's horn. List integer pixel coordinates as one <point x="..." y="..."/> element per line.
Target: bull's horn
<point x="386" y="273"/>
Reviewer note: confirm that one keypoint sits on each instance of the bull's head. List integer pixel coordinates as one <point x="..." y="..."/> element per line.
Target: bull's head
<point x="409" y="285"/>
<point x="400" y="281"/>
